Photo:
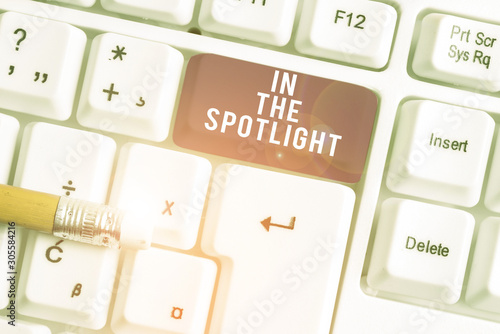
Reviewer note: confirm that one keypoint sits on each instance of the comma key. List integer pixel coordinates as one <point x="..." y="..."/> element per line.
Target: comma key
<point x="40" y="62"/>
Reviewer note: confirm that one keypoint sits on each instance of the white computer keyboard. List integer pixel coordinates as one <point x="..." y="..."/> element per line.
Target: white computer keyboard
<point x="312" y="166"/>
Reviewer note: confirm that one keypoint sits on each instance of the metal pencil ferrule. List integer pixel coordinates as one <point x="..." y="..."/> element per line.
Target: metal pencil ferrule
<point x="83" y="221"/>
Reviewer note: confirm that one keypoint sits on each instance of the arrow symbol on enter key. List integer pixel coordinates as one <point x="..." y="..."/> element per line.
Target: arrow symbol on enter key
<point x="267" y="224"/>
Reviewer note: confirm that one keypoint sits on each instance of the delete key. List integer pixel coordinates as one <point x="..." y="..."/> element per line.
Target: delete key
<point x="277" y="118"/>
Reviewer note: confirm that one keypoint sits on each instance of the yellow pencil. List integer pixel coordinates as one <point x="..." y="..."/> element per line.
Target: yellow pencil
<point x="73" y="219"/>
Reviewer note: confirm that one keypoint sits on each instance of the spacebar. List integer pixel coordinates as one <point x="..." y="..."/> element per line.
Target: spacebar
<point x="274" y="117"/>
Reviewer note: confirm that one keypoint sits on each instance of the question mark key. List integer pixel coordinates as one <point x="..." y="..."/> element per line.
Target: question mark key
<point x="40" y="65"/>
<point x="22" y="33"/>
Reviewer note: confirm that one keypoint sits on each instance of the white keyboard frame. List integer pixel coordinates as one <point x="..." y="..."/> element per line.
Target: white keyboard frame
<point x="356" y="312"/>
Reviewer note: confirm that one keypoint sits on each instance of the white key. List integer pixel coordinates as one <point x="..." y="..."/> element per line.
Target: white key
<point x="492" y="196"/>
<point x="281" y="242"/>
<point x="9" y="127"/>
<point x="130" y="86"/>
<point x="483" y="289"/>
<point x="263" y="21"/>
<point x="170" y="11"/>
<point x="167" y="292"/>
<point x="40" y="63"/>
<point x="459" y="51"/>
<point x="65" y="161"/>
<point x="414" y="253"/>
<point x="81" y="3"/>
<point x="355" y="32"/>
<point x="165" y="186"/>
<point x="66" y="281"/>
<point x="440" y="152"/>
<point x="22" y="327"/>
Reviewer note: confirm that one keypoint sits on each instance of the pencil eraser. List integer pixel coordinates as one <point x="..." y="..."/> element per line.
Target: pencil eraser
<point x="136" y="232"/>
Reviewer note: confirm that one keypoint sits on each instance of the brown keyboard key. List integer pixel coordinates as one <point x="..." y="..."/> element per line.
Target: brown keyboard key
<point x="275" y="117"/>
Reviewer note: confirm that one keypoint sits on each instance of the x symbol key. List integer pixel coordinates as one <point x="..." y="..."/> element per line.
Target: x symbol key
<point x="167" y="209"/>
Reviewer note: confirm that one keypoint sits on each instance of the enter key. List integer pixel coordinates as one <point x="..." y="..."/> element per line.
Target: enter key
<point x="280" y="240"/>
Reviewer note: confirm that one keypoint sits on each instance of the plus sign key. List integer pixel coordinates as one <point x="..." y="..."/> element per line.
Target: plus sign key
<point x="39" y="65"/>
<point x="130" y="86"/>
